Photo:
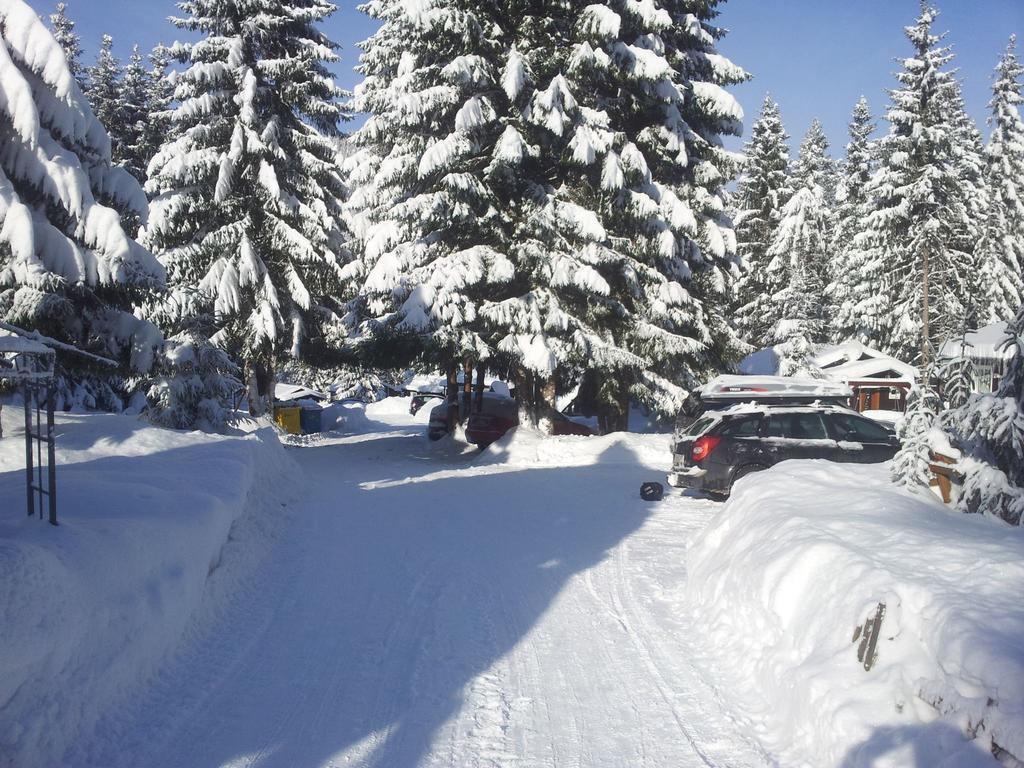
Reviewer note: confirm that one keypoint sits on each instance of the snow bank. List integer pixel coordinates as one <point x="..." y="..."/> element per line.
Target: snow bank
<point x="523" y="446"/>
<point x="804" y="553"/>
<point x="151" y="536"/>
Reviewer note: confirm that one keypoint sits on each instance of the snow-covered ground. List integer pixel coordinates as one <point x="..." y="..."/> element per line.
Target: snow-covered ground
<point x="430" y="606"/>
<point x="806" y="552"/>
<point x="155" y="528"/>
<point x="425" y="604"/>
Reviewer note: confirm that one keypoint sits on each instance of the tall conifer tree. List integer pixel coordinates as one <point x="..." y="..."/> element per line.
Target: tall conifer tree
<point x="1002" y="251"/>
<point x="104" y="92"/>
<point x="569" y="213"/>
<point x="763" y="191"/>
<point x="912" y="232"/>
<point x="67" y="266"/>
<point x="70" y="42"/>
<point x="247" y="196"/>
<point x="429" y="208"/>
<point x="848" y="288"/>
<point x="134" y="116"/>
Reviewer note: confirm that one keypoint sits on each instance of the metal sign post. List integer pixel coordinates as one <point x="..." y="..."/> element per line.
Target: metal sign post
<point x="31" y="364"/>
<point x="34" y="394"/>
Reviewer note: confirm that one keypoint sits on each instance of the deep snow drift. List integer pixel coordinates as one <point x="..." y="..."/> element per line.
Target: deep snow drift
<point x="89" y="609"/>
<point x="804" y="553"/>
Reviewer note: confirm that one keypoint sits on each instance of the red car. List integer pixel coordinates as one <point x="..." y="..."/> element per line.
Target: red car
<point x="498" y="416"/>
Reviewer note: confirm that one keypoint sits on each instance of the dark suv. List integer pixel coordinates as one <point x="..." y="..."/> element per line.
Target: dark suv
<point x="721" y="446"/>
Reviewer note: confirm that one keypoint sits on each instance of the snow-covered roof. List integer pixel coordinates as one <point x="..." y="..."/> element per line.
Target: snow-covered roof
<point x="768" y="387"/>
<point x="853" y="361"/>
<point x="288" y="392"/>
<point x="843" y="363"/>
<point x="988" y="343"/>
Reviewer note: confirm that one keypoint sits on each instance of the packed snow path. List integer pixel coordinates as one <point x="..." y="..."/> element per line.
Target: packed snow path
<point x="424" y="609"/>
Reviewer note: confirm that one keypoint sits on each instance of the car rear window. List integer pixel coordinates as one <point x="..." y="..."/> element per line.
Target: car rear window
<point x="847" y="427"/>
<point x="699" y="426"/>
<point x="796" y="426"/>
<point x="746" y="427"/>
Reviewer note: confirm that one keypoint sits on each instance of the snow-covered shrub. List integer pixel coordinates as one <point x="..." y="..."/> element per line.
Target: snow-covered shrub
<point x="988" y="430"/>
<point x="196" y="385"/>
<point x="910" y="464"/>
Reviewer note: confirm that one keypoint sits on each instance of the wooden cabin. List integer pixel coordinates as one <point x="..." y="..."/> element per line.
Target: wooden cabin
<point x="879" y="382"/>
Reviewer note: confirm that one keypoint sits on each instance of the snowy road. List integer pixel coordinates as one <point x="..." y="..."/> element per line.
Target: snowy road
<point x="421" y="609"/>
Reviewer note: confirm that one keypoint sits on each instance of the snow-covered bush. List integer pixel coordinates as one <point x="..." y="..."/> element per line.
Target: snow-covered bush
<point x="67" y="266"/>
<point x="988" y="430"/>
<point x="910" y="464"/>
<point x="196" y="386"/>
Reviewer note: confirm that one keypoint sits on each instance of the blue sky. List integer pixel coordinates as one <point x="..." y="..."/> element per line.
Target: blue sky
<point x="816" y="57"/>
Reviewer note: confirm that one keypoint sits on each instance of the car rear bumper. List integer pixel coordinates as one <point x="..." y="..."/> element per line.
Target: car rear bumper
<point x="688" y="477"/>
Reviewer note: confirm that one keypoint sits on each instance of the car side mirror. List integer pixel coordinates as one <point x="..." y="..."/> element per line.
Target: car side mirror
<point x="894" y="441"/>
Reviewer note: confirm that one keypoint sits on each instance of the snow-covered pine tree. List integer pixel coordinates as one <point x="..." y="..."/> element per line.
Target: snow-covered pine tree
<point x="429" y="238"/>
<point x="989" y="432"/>
<point x="1002" y="249"/>
<point x="848" y="289"/>
<point x="104" y="92"/>
<point x="64" y="33"/>
<point x="763" y="191"/>
<point x="969" y="164"/>
<point x="794" y="333"/>
<point x="158" y="128"/>
<point x="67" y="267"/>
<point x="912" y="233"/>
<point x="547" y="187"/>
<point x="247" y="198"/>
<point x="134" y="117"/>
<point x="798" y="250"/>
<point x="622" y="238"/>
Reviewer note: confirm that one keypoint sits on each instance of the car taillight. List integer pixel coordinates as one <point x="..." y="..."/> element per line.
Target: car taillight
<point x="703" y="447"/>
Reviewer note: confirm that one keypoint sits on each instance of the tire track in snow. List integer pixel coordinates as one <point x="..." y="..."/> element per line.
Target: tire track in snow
<point x="623" y="606"/>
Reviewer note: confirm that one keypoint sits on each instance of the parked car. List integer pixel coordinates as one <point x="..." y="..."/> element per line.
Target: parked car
<point x="736" y="425"/>
<point x="721" y="446"/>
<point x="497" y="416"/>
<point x="420" y="399"/>
<point x="436" y="391"/>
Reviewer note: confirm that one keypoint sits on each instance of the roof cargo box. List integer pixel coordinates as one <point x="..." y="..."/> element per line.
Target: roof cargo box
<point x="772" y="388"/>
